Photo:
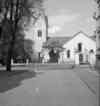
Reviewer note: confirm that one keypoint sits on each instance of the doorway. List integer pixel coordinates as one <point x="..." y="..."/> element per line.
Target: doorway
<point x="80" y="58"/>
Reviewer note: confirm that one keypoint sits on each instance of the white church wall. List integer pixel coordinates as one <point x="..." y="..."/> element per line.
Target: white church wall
<point x="71" y="49"/>
<point x="32" y="34"/>
<point x="87" y="45"/>
<point x="87" y="42"/>
<point x="40" y="25"/>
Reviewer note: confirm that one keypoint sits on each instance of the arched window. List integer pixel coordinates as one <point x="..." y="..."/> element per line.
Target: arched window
<point x="79" y="47"/>
<point x="68" y="53"/>
<point x="91" y="51"/>
<point x="39" y="33"/>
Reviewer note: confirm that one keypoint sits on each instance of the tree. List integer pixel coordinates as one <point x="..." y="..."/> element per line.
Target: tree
<point x="18" y="50"/>
<point x="14" y="13"/>
<point x="23" y="50"/>
<point x="28" y="49"/>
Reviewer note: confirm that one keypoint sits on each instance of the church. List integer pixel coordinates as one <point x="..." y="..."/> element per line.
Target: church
<point x="79" y="48"/>
<point x="38" y="33"/>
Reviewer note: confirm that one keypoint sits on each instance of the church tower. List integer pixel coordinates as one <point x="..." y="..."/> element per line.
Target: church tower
<point x="38" y="33"/>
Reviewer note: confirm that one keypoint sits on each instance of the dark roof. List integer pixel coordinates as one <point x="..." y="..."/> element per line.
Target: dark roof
<point x="63" y="40"/>
<point x="93" y="38"/>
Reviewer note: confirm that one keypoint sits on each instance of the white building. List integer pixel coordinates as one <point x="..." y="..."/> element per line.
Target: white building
<point x="38" y="33"/>
<point x="80" y="48"/>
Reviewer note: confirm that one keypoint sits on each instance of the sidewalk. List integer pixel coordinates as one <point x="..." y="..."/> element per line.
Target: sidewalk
<point x="89" y="76"/>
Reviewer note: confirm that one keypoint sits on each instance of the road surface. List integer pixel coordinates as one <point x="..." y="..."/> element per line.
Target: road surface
<point x="61" y="87"/>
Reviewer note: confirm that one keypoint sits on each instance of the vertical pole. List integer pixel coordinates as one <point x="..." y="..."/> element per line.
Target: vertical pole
<point x="98" y="35"/>
<point x="39" y="56"/>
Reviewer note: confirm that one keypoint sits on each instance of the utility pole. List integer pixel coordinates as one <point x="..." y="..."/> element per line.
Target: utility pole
<point x="46" y="22"/>
<point x="97" y="18"/>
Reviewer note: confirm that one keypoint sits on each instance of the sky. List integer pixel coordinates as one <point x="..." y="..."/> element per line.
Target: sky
<point x="67" y="17"/>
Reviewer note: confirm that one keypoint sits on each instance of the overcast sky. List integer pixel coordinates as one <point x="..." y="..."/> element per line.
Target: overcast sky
<point x="67" y="17"/>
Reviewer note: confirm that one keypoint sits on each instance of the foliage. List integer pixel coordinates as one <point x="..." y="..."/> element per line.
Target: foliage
<point x="28" y="48"/>
<point x="15" y="13"/>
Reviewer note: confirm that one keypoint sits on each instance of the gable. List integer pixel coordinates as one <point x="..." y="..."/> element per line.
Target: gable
<point x="80" y="38"/>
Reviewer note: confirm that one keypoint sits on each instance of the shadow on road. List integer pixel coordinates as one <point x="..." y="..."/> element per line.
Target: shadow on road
<point x="10" y="80"/>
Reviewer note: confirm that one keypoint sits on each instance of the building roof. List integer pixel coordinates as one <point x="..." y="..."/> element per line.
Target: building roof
<point x="93" y="37"/>
<point x="81" y="32"/>
<point x="63" y="40"/>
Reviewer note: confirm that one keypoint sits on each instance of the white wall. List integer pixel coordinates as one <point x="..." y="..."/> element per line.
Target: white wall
<point x="32" y="33"/>
<point x="87" y="43"/>
<point x="40" y="25"/>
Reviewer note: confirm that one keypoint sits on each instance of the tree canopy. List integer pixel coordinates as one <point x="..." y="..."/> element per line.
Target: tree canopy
<point x="14" y="16"/>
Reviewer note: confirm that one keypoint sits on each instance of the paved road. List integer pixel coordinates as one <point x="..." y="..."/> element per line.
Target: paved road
<point x="90" y="77"/>
<point x="45" y="88"/>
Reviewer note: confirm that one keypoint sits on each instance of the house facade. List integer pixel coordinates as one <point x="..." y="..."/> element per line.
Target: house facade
<point x="80" y="48"/>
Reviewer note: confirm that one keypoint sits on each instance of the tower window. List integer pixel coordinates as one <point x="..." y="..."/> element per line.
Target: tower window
<point x="91" y="51"/>
<point x="80" y="47"/>
<point x="39" y="33"/>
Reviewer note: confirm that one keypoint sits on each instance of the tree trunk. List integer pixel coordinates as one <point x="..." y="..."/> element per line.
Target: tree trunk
<point x="13" y="31"/>
<point x="9" y="56"/>
<point x="8" y="65"/>
<point x="10" y="52"/>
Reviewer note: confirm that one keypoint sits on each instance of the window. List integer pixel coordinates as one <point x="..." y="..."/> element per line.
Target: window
<point x="39" y="33"/>
<point x="91" y="51"/>
<point x="80" y="47"/>
<point x="68" y="53"/>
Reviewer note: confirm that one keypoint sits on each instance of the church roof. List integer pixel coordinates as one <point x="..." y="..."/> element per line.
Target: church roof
<point x="93" y="38"/>
<point x="63" y="40"/>
<point x="81" y="32"/>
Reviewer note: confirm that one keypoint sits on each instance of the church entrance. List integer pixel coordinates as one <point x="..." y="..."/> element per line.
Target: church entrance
<point x="54" y="55"/>
<point x="80" y="58"/>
